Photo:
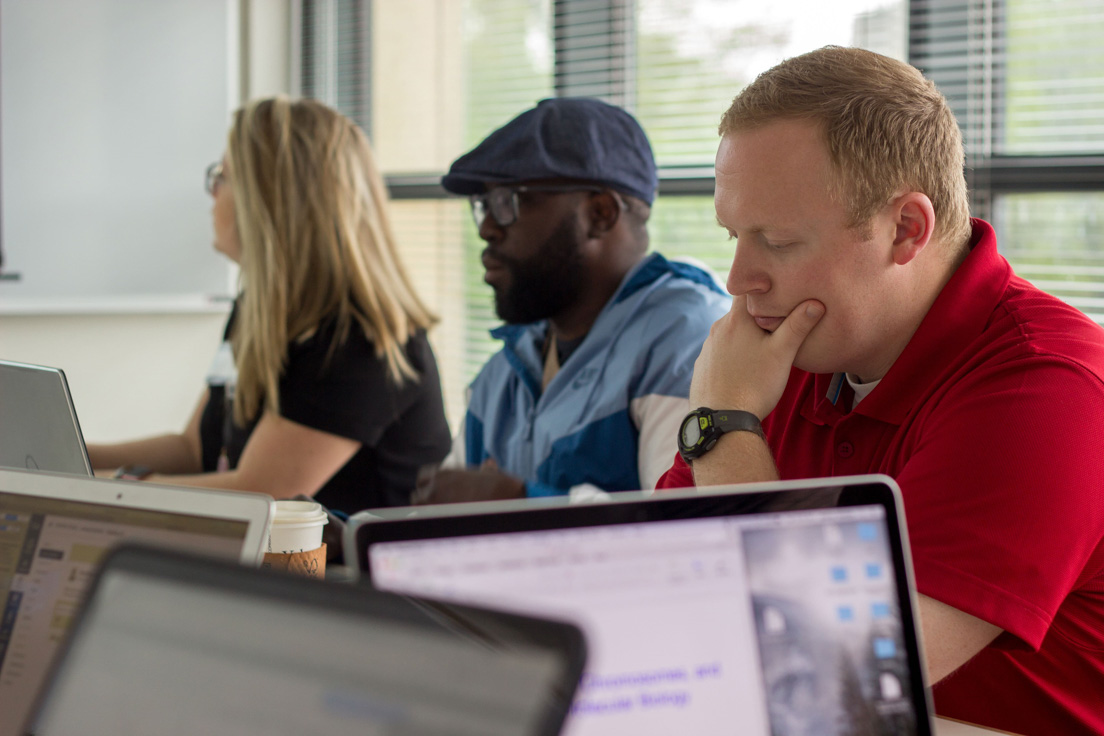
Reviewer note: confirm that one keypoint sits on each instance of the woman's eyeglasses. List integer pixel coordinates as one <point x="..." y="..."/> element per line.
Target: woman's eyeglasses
<point x="214" y="177"/>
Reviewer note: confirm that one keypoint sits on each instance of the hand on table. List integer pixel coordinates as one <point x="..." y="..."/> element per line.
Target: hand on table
<point x="460" y="486"/>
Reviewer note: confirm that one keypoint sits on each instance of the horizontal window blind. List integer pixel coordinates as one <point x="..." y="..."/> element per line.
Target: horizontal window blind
<point x="1026" y="82"/>
<point x="686" y="227"/>
<point x="443" y="259"/>
<point x="1025" y="79"/>
<point x="1056" y="241"/>
<point x="507" y="59"/>
<point x="508" y="67"/>
<point x="1052" y="77"/>
<point x="692" y="58"/>
<point x="594" y="47"/>
<point x="498" y="61"/>
<point x="335" y="54"/>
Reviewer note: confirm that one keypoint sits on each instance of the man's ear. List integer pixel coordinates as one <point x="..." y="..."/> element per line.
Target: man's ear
<point x="603" y="212"/>
<point x="914" y="218"/>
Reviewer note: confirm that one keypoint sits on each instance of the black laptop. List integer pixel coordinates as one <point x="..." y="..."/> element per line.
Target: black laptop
<point x="173" y="644"/>
<point x="780" y="609"/>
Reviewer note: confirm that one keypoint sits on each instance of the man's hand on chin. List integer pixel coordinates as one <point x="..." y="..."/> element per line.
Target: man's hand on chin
<point x="742" y="366"/>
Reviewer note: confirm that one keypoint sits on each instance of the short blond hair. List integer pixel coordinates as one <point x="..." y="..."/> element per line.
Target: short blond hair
<point x="316" y="245"/>
<point x="886" y="127"/>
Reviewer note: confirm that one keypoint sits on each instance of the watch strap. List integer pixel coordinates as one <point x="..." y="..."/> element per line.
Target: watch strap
<point x="738" y="420"/>
<point x="712" y="424"/>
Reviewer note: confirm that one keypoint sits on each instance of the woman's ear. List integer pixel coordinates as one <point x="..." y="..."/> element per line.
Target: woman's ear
<point x="914" y="218"/>
<point x="603" y="212"/>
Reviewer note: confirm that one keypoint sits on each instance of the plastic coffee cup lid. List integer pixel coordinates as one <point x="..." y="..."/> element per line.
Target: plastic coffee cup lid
<point x="299" y="512"/>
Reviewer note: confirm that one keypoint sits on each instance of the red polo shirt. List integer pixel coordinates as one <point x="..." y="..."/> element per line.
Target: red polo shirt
<point x="991" y="421"/>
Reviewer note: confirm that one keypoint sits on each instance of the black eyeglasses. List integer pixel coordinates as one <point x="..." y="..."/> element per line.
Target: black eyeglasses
<point x="501" y="203"/>
<point x="214" y="177"/>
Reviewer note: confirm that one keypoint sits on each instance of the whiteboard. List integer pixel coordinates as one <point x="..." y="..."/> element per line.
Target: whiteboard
<point x="110" y="111"/>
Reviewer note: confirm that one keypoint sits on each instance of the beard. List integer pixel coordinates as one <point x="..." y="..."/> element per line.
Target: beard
<point x="545" y="284"/>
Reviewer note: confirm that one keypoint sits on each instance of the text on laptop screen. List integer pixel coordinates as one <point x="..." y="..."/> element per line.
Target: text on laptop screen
<point x="49" y="550"/>
<point x="781" y="624"/>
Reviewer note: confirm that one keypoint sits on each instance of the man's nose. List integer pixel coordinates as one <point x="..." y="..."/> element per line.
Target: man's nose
<point x="490" y="230"/>
<point x="746" y="276"/>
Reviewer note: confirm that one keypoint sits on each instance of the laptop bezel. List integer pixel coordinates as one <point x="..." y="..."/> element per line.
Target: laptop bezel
<point x="459" y="520"/>
<point x="254" y="509"/>
<point x="488" y="628"/>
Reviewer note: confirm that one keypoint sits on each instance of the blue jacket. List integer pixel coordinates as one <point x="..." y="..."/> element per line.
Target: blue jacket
<point x="623" y="388"/>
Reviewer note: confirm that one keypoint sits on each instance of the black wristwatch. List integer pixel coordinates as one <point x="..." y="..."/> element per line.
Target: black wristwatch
<point x="702" y="428"/>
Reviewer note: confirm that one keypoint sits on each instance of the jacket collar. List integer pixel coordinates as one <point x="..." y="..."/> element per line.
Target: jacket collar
<point x="522" y="342"/>
<point x="649" y="270"/>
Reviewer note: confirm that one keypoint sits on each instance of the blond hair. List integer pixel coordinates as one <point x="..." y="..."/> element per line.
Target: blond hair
<point x="316" y="244"/>
<point x="886" y="127"/>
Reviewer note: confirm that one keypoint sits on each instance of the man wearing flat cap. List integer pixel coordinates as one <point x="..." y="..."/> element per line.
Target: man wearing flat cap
<point x="600" y="337"/>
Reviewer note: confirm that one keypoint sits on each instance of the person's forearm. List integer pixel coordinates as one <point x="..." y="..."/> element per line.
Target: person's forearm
<point x="169" y="453"/>
<point x="232" y="480"/>
<point x="738" y="457"/>
<point x="951" y="637"/>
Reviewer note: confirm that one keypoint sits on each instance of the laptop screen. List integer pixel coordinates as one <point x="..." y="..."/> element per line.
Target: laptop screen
<point x="171" y="644"/>
<point x="38" y="425"/>
<point x="791" y="621"/>
<point x="50" y="550"/>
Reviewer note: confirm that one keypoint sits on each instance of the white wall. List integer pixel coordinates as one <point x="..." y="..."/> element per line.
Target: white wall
<point x="141" y="373"/>
<point x="130" y="375"/>
<point x="111" y="110"/>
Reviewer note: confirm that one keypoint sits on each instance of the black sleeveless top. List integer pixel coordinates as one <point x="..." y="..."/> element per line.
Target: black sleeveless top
<point x="400" y="428"/>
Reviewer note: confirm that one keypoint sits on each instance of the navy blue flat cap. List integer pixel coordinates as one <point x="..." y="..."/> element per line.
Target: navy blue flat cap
<point x="577" y="138"/>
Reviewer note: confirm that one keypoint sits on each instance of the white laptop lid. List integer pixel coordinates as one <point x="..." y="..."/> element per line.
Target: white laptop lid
<point x="172" y="644"/>
<point x="54" y="529"/>
<point x="763" y="609"/>
<point x="38" y="424"/>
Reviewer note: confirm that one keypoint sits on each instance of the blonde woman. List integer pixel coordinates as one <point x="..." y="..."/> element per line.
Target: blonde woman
<point x="325" y="384"/>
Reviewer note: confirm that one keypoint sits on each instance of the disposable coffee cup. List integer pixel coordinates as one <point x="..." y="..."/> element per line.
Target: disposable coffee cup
<point x="296" y="527"/>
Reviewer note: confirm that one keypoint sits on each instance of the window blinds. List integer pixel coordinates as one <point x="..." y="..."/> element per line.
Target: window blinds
<point x="1026" y="82"/>
<point x="1025" y="79"/>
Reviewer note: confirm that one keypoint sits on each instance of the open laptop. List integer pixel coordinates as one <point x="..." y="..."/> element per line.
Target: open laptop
<point x="779" y="608"/>
<point x="38" y="424"/>
<point x="175" y="644"/>
<point x="54" y="529"/>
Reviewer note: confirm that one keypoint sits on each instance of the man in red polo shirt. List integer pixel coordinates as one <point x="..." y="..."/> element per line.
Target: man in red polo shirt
<point x="875" y="328"/>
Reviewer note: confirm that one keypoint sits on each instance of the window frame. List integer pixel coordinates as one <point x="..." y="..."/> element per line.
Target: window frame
<point x="579" y="67"/>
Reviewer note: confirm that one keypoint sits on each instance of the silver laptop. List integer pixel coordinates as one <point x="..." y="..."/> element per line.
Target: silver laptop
<point x="38" y="424"/>
<point x="782" y="609"/>
<point x="174" y="644"/>
<point x="54" y="529"/>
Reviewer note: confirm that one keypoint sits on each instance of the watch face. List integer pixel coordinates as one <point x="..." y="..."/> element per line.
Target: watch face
<point x="691" y="432"/>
